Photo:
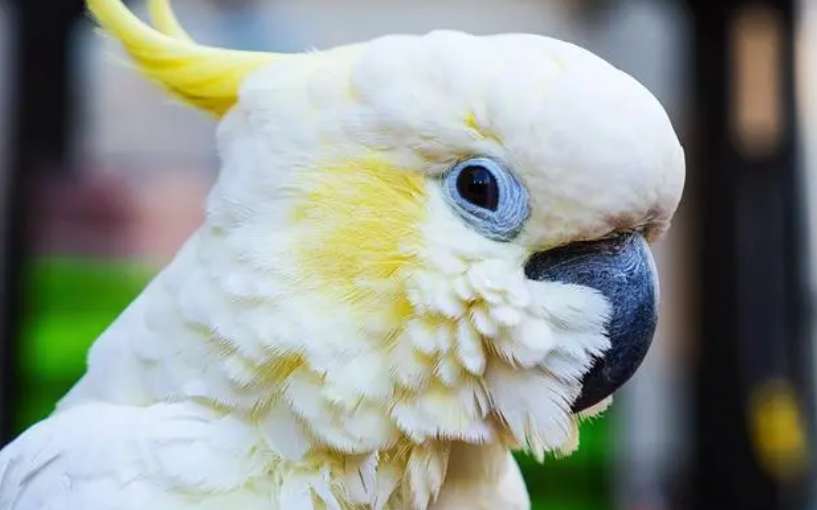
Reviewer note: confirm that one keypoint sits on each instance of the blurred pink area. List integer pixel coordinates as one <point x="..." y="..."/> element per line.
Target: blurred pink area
<point x="112" y="214"/>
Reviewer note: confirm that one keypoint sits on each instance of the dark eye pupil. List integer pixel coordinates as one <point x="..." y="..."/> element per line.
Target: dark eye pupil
<point x="478" y="185"/>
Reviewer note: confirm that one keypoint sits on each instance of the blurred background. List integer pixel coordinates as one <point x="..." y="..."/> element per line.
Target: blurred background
<point x="102" y="178"/>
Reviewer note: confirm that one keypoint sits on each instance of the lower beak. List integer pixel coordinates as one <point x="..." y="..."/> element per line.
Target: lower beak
<point x="623" y="270"/>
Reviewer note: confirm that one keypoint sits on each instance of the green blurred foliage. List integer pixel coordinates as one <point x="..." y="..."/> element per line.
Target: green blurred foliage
<point x="72" y="301"/>
<point x="69" y="303"/>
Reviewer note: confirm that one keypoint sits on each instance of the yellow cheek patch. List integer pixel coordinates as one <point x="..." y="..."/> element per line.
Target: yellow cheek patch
<point x="361" y="227"/>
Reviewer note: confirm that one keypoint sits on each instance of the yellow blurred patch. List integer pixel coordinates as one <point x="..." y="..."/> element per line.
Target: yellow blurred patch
<point x="474" y="126"/>
<point x="361" y="221"/>
<point x="777" y="430"/>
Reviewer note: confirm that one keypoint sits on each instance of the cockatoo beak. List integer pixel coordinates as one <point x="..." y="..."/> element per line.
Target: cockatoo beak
<point x="623" y="270"/>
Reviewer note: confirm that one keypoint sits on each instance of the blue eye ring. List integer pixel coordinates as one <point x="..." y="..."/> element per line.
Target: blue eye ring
<point x="488" y="197"/>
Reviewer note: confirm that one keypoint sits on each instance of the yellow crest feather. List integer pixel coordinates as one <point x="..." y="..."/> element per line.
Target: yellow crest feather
<point x="165" y="21"/>
<point x="208" y="78"/>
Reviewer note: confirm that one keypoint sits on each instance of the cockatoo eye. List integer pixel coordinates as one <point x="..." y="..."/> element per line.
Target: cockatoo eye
<point x="485" y="194"/>
<point x="477" y="185"/>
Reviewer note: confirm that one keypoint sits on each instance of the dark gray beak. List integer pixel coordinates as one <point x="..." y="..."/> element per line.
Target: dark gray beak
<point x="621" y="268"/>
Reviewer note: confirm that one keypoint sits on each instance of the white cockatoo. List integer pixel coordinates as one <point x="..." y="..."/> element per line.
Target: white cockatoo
<point x="421" y="253"/>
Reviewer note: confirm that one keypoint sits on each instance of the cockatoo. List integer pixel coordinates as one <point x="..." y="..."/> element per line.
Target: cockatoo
<point x="421" y="253"/>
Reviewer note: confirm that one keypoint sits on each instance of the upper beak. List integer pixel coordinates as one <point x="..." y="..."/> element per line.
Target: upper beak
<point x="623" y="270"/>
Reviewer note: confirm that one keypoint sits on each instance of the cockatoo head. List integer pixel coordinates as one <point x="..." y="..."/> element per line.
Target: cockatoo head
<point x="444" y="234"/>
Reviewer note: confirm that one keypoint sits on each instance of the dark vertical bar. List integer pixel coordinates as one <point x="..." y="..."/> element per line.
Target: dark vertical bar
<point x="42" y="117"/>
<point x="753" y="417"/>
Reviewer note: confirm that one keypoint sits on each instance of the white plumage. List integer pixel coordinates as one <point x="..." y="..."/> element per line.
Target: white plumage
<point x="334" y="336"/>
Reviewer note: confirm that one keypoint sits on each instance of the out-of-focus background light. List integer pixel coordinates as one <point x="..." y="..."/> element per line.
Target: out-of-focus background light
<point x="103" y="178"/>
